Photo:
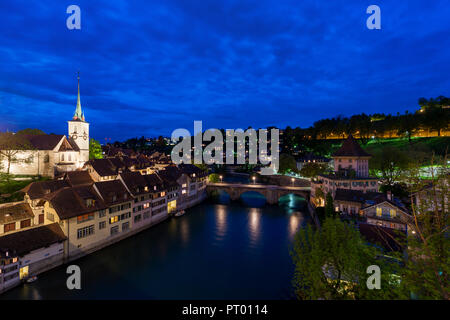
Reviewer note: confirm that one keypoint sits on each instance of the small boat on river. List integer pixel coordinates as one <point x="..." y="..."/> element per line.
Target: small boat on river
<point x="179" y="213"/>
<point x="31" y="279"/>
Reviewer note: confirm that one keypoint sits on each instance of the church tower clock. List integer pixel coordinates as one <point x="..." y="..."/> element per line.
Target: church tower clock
<point x="79" y="130"/>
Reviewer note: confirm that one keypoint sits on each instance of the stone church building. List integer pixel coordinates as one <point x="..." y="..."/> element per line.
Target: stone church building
<point x="52" y="154"/>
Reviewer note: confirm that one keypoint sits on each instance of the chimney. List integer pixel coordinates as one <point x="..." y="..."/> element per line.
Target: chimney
<point x="389" y="195"/>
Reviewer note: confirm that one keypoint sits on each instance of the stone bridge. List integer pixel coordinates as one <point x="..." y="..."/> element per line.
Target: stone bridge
<point x="272" y="193"/>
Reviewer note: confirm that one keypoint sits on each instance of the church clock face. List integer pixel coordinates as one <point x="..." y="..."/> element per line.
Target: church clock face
<point x="74" y="136"/>
<point x="85" y="136"/>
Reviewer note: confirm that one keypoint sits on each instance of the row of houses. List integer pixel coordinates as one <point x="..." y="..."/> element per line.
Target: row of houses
<point x="64" y="219"/>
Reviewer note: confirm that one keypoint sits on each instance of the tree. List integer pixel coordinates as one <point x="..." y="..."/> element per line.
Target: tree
<point x="329" y="206"/>
<point x="287" y="163"/>
<point x="331" y="263"/>
<point x="408" y="125"/>
<point x="213" y="177"/>
<point x="390" y="163"/>
<point x="437" y="118"/>
<point x="95" y="149"/>
<point x="427" y="267"/>
<point x="10" y="145"/>
<point x="31" y="132"/>
<point x="319" y="195"/>
<point x="312" y="169"/>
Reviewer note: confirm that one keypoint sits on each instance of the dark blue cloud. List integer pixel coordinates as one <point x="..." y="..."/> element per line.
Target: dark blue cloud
<point x="149" y="67"/>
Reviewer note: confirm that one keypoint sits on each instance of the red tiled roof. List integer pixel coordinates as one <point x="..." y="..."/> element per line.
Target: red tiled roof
<point x="71" y="202"/>
<point x="350" y="148"/>
<point x="23" y="242"/>
<point x="36" y="190"/>
<point x="17" y="212"/>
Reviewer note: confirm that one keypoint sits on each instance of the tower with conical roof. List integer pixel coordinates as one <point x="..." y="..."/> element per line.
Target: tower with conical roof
<point x="350" y="156"/>
<point x="79" y="130"/>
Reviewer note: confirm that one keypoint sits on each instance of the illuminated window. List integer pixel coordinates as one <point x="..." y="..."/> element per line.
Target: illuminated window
<point x="393" y="213"/>
<point x="85" y="217"/>
<point x="379" y="211"/>
<point x="24" y="272"/>
<point x="113" y="219"/>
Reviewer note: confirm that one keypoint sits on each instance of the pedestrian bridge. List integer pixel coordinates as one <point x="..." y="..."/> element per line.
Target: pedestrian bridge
<point x="272" y="193"/>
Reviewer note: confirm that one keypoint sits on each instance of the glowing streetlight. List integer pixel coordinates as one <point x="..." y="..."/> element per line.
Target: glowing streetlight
<point x="254" y="179"/>
<point x="220" y="178"/>
<point x="292" y="180"/>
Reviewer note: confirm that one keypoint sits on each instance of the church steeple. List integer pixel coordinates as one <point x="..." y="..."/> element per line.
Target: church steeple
<point x="78" y="115"/>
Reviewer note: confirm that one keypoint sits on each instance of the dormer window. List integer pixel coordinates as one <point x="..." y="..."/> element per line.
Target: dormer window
<point x="125" y="196"/>
<point x="89" y="202"/>
<point x="114" y="198"/>
<point x="154" y="188"/>
<point x="146" y="188"/>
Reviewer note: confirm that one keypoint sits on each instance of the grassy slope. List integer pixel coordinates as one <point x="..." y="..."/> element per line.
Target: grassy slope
<point x="9" y="190"/>
<point x="422" y="145"/>
<point x="426" y="145"/>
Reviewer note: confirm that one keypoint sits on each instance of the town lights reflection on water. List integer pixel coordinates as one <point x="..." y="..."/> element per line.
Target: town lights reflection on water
<point x="221" y="220"/>
<point x="184" y="231"/>
<point x="295" y="220"/>
<point x="254" y="224"/>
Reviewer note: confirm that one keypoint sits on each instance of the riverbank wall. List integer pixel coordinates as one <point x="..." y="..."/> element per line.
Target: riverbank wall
<point x="63" y="258"/>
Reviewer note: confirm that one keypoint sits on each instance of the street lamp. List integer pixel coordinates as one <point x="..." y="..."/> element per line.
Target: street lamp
<point x="220" y="178"/>
<point x="254" y="179"/>
<point x="292" y="180"/>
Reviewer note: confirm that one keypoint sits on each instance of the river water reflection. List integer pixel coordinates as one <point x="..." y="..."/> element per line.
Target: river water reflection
<point x="217" y="250"/>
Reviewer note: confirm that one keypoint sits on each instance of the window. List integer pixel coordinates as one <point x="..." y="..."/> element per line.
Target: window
<point x="125" y="226"/>
<point x="147" y="215"/>
<point x="113" y="219"/>
<point x="393" y="213"/>
<point x="85" y="232"/>
<point x="25" y="223"/>
<point x="101" y="213"/>
<point x="379" y="211"/>
<point x="62" y="156"/>
<point x="10" y="227"/>
<point x="85" y="217"/>
<point x="41" y="219"/>
<point x="89" y="202"/>
<point x="102" y="225"/>
<point x="137" y="218"/>
<point x="46" y="158"/>
<point x="114" y="230"/>
<point x="50" y="216"/>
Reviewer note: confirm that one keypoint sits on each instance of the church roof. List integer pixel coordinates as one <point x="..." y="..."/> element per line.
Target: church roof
<point x="350" y="148"/>
<point x="44" y="141"/>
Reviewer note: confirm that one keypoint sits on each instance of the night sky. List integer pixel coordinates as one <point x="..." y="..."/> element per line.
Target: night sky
<point x="149" y="67"/>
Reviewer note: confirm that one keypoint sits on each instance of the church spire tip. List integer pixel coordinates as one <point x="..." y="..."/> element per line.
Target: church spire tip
<point x="78" y="115"/>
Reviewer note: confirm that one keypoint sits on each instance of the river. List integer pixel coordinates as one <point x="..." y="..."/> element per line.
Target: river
<point x="217" y="250"/>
